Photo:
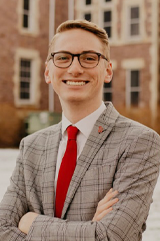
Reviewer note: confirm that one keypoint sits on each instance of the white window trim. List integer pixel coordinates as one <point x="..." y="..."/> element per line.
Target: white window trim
<point x="107" y="6"/>
<point x="86" y="9"/>
<point x="130" y="89"/>
<point x="81" y="8"/>
<point x="102" y="24"/>
<point x="108" y="24"/>
<point x="32" y="55"/>
<point x="33" y="28"/>
<point x="131" y="21"/>
<point x="126" y="37"/>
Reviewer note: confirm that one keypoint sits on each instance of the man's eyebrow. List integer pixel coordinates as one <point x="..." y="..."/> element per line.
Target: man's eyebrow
<point x="92" y="51"/>
<point x="83" y="52"/>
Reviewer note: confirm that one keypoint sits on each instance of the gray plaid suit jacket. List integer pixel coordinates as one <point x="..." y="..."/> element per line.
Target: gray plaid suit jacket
<point x="125" y="156"/>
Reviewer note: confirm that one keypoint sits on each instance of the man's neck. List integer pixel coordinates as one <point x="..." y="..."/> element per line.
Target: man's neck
<point x="76" y="111"/>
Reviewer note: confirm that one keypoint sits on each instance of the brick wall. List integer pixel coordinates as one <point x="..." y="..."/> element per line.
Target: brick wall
<point x="11" y="117"/>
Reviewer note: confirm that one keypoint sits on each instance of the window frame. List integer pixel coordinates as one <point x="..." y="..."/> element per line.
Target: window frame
<point x="134" y="21"/>
<point x="108" y="90"/>
<point x="130" y="89"/>
<point x="130" y="22"/>
<point x="104" y="7"/>
<point x="33" y="17"/>
<point x="24" y="79"/>
<point x="86" y="9"/>
<point x="32" y="55"/>
<point x="28" y="14"/>
<point x="108" y="24"/>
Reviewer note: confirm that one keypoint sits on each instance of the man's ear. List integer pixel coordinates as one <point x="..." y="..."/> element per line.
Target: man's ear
<point x="46" y="74"/>
<point x="109" y="73"/>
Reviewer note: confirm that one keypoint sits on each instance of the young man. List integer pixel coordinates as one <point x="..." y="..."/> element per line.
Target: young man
<point x="112" y="152"/>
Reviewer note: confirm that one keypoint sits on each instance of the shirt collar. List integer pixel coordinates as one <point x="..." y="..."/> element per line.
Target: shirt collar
<point x="86" y="124"/>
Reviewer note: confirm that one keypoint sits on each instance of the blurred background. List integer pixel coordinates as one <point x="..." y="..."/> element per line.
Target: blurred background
<point x="27" y="26"/>
<point x="28" y="104"/>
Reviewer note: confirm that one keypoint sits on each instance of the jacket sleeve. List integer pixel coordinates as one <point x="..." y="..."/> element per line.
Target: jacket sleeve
<point x="135" y="179"/>
<point x="13" y="205"/>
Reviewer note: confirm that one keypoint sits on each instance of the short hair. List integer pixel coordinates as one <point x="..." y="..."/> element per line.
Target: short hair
<point x="87" y="26"/>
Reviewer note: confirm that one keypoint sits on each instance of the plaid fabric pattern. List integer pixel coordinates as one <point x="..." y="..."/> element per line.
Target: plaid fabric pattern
<point x="125" y="156"/>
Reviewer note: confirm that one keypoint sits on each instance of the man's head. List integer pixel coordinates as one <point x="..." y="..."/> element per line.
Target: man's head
<point x="77" y="64"/>
<point x="87" y="26"/>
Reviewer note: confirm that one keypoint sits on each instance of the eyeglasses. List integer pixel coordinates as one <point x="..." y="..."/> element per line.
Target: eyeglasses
<point x="86" y="59"/>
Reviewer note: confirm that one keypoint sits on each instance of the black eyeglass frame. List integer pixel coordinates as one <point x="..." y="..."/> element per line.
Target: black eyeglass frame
<point x="78" y="55"/>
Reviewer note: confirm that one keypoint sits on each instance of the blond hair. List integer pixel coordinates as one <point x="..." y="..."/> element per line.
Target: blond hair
<point x="87" y="26"/>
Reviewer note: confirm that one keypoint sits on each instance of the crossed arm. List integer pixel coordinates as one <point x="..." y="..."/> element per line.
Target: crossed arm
<point x="103" y="208"/>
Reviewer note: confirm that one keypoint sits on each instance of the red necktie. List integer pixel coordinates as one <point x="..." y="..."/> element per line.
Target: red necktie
<point x="66" y="170"/>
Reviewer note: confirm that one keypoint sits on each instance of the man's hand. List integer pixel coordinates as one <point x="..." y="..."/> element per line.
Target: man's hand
<point x="105" y="205"/>
<point x="26" y="222"/>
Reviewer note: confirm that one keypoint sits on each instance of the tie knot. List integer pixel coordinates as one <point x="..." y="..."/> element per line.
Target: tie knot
<point x="72" y="132"/>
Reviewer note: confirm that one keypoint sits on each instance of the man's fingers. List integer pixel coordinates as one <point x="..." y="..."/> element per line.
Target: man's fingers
<point x="111" y="194"/>
<point x="103" y="214"/>
<point x="107" y="205"/>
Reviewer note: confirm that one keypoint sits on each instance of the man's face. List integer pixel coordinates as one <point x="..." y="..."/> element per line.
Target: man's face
<point x="76" y="84"/>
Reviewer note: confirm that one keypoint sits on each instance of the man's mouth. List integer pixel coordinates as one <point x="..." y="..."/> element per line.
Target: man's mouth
<point x="75" y="83"/>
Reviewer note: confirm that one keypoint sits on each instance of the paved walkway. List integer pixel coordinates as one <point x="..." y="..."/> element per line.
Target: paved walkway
<point x="7" y="164"/>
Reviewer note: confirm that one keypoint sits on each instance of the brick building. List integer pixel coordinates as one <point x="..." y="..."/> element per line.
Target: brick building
<point x="133" y="29"/>
<point x="28" y="25"/>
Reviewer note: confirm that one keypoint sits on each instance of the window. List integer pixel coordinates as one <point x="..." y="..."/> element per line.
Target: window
<point x="28" y="21"/>
<point x="107" y="91"/>
<point x="26" y="13"/>
<point x="134" y="21"/>
<point x="88" y="2"/>
<point x="25" y="79"/>
<point x="87" y="16"/>
<point x="107" y="18"/>
<point x="133" y="88"/>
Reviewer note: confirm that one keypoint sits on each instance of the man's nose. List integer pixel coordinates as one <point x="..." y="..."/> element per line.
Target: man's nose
<point x="75" y="68"/>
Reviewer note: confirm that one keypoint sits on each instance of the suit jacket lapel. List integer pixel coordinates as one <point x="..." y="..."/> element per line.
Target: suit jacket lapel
<point x="100" y="131"/>
<point x="49" y="168"/>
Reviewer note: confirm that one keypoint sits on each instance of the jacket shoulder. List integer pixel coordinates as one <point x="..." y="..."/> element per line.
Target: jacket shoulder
<point x="40" y="137"/>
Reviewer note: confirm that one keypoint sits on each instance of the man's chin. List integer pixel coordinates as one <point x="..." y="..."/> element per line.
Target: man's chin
<point x="73" y="100"/>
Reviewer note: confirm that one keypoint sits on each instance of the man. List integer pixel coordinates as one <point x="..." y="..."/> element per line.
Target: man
<point x="112" y="152"/>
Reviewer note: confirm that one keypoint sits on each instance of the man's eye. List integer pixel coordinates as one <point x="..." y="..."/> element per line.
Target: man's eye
<point x="62" y="58"/>
<point x="89" y="58"/>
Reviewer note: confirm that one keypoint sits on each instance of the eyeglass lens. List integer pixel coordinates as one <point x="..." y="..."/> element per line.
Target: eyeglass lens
<point x="87" y="60"/>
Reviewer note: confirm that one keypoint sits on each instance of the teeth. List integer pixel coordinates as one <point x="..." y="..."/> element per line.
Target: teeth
<point x="75" y="83"/>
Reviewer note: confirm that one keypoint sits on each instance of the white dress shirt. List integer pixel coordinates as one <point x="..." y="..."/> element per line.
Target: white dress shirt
<point x="85" y="126"/>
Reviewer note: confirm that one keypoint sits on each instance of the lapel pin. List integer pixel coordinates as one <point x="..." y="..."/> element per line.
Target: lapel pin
<point x="100" y="129"/>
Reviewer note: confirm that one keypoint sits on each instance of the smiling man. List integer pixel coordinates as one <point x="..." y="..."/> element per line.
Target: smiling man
<point x="78" y="80"/>
<point x="67" y="176"/>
